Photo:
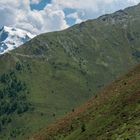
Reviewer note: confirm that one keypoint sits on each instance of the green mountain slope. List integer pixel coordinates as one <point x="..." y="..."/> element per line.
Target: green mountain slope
<point x="55" y="72"/>
<point x="113" y="114"/>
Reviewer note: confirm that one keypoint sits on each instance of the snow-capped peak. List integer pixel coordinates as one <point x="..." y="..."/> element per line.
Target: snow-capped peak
<point x="11" y="38"/>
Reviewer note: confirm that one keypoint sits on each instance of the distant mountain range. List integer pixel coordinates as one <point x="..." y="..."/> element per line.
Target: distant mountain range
<point x="54" y="73"/>
<point x="11" y="38"/>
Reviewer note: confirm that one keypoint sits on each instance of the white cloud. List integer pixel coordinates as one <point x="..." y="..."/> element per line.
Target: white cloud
<point x="35" y="1"/>
<point x="94" y="8"/>
<point x="76" y="16"/>
<point x="82" y="4"/>
<point x="18" y="12"/>
<point x="55" y="18"/>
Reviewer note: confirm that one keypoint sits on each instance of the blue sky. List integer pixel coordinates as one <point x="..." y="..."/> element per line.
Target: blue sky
<point x="40" y="5"/>
<point x="43" y="3"/>
<point x="38" y="16"/>
<point x="111" y="7"/>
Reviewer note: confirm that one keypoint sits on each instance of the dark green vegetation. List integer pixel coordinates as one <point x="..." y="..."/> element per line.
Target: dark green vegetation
<point x="113" y="114"/>
<point x="13" y="99"/>
<point x="61" y="70"/>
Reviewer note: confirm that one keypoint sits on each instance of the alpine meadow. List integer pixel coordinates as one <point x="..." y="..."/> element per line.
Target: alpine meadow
<point x="66" y="85"/>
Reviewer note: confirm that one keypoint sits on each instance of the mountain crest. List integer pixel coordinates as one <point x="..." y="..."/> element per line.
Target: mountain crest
<point x="11" y="38"/>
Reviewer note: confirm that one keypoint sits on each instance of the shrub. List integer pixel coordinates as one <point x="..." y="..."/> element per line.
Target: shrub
<point x="83" y="128"/>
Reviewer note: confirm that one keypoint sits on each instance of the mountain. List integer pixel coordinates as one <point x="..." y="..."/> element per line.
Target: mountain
<point x="55" y="72"/>
<point x="113" y="114"/>
<point x="11" y="38"/>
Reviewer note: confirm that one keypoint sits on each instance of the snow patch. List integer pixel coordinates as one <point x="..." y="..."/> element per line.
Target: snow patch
<point x="11" y="38"/>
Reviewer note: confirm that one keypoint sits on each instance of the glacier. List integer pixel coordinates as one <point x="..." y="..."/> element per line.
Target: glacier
<point x="11" y="38"/>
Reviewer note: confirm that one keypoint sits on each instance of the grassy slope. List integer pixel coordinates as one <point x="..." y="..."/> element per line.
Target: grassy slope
<point x="112" y="114"/>
<point x="64" y="69"/>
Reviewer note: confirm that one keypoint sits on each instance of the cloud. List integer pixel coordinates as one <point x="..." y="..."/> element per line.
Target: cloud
<point x="18" y="13"/>
<point x="53" y="17"/>
<point x="94" y="8"/>
<point x="35" y="1"/>
<point x="76" y="16"/>
<point x="91" y="4"/>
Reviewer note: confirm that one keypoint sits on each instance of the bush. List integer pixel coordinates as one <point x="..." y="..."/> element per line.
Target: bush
<point x="18" y="66"/>
<point x="83" y="128"/>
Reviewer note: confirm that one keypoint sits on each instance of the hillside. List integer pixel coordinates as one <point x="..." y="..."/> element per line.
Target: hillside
<point x="113" y="114"/>
<point x="56" y="72"/>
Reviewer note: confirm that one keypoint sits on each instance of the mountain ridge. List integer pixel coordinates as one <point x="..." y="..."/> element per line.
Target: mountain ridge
<point x="11" y="38"/>
<point x="56" y="72"/>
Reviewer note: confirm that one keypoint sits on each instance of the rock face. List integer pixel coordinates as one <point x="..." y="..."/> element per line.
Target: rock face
<point x="11" y="38"/>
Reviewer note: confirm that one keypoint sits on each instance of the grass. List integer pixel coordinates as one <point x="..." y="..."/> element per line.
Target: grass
<point x="111" y="114"/>
<point x="64" y="69"/>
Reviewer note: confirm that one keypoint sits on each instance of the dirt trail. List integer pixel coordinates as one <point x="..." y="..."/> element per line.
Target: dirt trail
<point x="30" y="56"/>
